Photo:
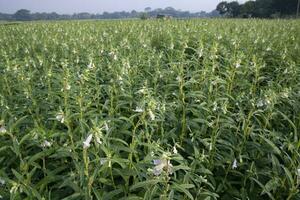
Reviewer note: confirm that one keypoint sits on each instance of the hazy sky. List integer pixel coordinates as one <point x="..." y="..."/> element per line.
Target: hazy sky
<point x="98" y="6"/>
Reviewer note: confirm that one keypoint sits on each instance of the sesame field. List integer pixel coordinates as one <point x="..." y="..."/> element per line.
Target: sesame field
<point x="132" y="110"/>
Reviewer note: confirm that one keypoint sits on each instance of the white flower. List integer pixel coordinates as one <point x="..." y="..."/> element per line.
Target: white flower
<point x="60" y="117"/>
<point x="127" y="65"/>
<point x="46" y="144"/>
<point x="98" y="140"/>
<point x="115" y="57"/>
<point x="175" y="150"/>
<point x="285" y="95"/>
<point x="269" y="49"/>
<point x="106" y="127"/>
<point x="103" y="161"/>
<point x="234" y="164"/>
<point x="162" y="165"/>
<point x="68" y="87"/>
<point x="298" y="176"/>
<point x="2" y="181"/>
<point x="152" y="153"/>
<point x="152" y="116"/>
<point x="238" y="63"/>
<point x="263" y="102"/>
<point x="87" y="142"/>
<point x="260" y="103"/>
<point x="158" y="169"/>
<point x="143" y="90"/>
<point x="2" y="129"/>
<point x="14" y="188"/>
<point x="172" y="46"/>
<point x="119" y="78"/>
<point x="91" y="65"/>
<point x="215" y="104"/>
<point x="139" y="110"/>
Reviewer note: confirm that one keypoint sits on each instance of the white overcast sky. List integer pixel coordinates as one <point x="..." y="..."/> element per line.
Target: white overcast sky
<point x="99" y="6"/>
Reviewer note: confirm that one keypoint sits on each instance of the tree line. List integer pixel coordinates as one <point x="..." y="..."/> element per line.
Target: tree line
<point x="26" y="15"/>
<point x="259" y="8"/>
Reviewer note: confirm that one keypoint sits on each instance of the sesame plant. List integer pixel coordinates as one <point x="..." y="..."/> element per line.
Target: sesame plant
<point x="177" y="109"/>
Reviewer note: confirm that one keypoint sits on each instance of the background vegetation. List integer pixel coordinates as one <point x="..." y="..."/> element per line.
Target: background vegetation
<point x="250" y="9"/>
<point x="260" y="8"/>
<point x="26" y="15"/>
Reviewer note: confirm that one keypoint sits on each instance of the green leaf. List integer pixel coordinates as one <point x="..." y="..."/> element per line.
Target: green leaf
<point x="73" y="197"/>
<point x="181" y="167"/>
<point x="112" y="194"/>
<point x="40" y="155"/>
<point x="274" y="147"/>
<point x="145" y="184"/>
<point x="264" y="190"/>
<point x="289" y="176"/>
<point x="17" y="175"/>
<point x="183" y="188"/>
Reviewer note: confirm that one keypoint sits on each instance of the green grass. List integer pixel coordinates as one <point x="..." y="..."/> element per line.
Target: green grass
<point x="196" y="109"/>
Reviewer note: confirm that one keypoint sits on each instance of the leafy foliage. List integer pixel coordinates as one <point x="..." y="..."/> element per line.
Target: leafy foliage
<point x="196" y="109"/>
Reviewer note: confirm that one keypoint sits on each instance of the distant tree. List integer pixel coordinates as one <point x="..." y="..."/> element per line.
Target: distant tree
<point x="105" y="15"/>
<point x="234" y="8"/>
<point x="259" y="8"/>
<point x="5" y="16"/>
<point x="222" y="7"/>
<point x="285" y="7"/>
<point x="147" y="9"/>
<point x="83" y="15"/>
<point x="213" y="13"/>
<point x="298" y="8"/>
<point x="173" y="12"/>
<point x="54" y="15"/>
<point x="231" y="9"/>
<point x="247" y="9"/>
<point x="264" y="8"/>
<point x="22" y="15"/>
<point x="134" y="13"/>
<point x="170" y="8"/>
<point x="143" y="16"/>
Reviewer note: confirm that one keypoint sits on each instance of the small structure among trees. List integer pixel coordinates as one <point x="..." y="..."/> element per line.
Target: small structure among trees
<point x="162" y="16"/>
